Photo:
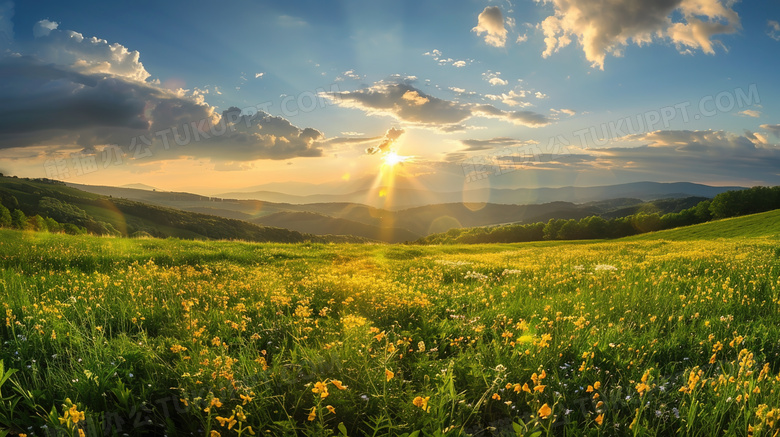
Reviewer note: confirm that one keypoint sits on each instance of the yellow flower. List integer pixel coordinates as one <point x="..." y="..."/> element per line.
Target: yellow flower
<point x="545" y="411"/>
<point x="81" y="433"/>
<point x="597" y="385"/>
<point x="214" y="434"/>
<point x="245" y="399"/>
<point x="177" y="348"/>
<point x="313" y="414"/>
<point x="338" y="384"/>
<point x="230" y="421"/>
<point x="331" y="409"/>
<point x="75" y="415"/>
<point x="496" y="397"/>
<point x="215" y="402"/>
<point x="321" y="387"/>
<point x="600" y="418"/>
<point x="389" y="375"/>
<point x="540" y="388"/>
<point x="422" y="403"/>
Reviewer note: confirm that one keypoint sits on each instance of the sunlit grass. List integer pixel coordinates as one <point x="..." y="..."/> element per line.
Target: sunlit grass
<point x="186" y="337"/>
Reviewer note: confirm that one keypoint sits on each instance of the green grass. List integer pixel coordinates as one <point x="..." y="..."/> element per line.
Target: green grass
<point x="640" y="336"/>
<point x="756" y="225"/>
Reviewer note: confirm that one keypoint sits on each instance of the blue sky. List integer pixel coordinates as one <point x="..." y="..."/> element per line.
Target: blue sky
<point x="518" y="89"/>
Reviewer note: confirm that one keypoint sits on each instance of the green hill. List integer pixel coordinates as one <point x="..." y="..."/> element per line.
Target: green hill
<point x="755" y="225"/>
<point x="105" y="215"/>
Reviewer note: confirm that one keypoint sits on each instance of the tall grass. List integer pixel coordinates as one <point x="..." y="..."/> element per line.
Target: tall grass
<point x="117" y="336"/>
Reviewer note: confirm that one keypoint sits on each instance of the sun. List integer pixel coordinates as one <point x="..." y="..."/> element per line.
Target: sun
<point x="391" y="159"/>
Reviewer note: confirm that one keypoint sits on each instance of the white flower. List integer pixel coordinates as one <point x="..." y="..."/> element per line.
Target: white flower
<point x="604" y="267"/>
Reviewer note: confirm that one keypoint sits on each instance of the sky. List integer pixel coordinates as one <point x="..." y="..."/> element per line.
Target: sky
<point x="446" y="96"/>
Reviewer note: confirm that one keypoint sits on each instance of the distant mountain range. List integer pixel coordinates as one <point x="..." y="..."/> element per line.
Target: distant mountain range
<point x="404" y="198"/>
<point x="307" y="215"/>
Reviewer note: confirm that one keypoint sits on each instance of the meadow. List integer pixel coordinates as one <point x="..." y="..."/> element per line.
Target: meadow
<point x="660" y="334"/>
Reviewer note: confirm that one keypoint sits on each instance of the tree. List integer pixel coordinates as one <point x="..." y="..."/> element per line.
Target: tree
<point x="18" y="219"/>
<point x="552" y="227"/>
<point x="5" y="217"/>
<point x="52" y="225"/>
<point x="37" y="223"/>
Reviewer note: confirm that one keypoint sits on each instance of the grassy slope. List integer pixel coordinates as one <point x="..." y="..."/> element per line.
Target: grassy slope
<point x="755" y="225"/>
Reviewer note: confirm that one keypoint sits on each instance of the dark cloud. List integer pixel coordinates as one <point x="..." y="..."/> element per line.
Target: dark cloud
<point x="408" y="104"/>
<point x="47" y="104"/>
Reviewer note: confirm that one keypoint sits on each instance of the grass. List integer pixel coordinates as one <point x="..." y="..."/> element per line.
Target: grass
<point x="642" y="336"/>
<point x="765" y="223"/>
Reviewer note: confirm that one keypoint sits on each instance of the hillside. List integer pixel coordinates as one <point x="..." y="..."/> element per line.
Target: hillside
<point x="765" y="224"/>
<point x="319" y="224"/>
<point x="105" y="215"/>
<point x="408" y="224"/>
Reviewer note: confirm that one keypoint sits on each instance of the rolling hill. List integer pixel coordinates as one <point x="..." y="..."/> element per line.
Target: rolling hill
<point x="116" y="216"/>
<point x="389" y="225"/>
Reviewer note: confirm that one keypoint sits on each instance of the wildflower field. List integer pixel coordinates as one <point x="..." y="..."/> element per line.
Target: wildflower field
<point x="109" y="336"/>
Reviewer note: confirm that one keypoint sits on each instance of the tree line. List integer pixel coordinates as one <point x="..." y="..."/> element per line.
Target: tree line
<point x="723" y="205"/>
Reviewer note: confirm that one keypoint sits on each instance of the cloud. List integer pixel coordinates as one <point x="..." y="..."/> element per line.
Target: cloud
<point x="44" y="28"/>
<point x="494" y="78"/>
<point x="406" y="103"/>
<point x="773" y="128"/>
<point x="774" y="29"/>
<point x="438" y="57"/>
<point x="85" y="54"/>
<point x="349" y="74"/>
<point x="605" y="27"/>
<point x="259" y="75"/>
<point x="390" y="138"/>
<point x="493" y="143"/>
<point x="76" y="93"/>
<point x="522" y="38"/>
<point x="750" y="113"/>
<point x="491" y="23"/>
<point x="512" y="98"/>
<point x="569" y="112"/>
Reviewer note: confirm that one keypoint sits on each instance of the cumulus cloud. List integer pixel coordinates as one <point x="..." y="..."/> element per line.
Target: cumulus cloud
<point x="605" y="27"/>
<point x="68" y="92"/>
<point x="44" y="28"/>
<point x="85" y="54"/>
<point x="491" y="22"/>
<point x="406" y="103"/>
<point x="494" y="78"/>
<point x="70" y="109"/>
